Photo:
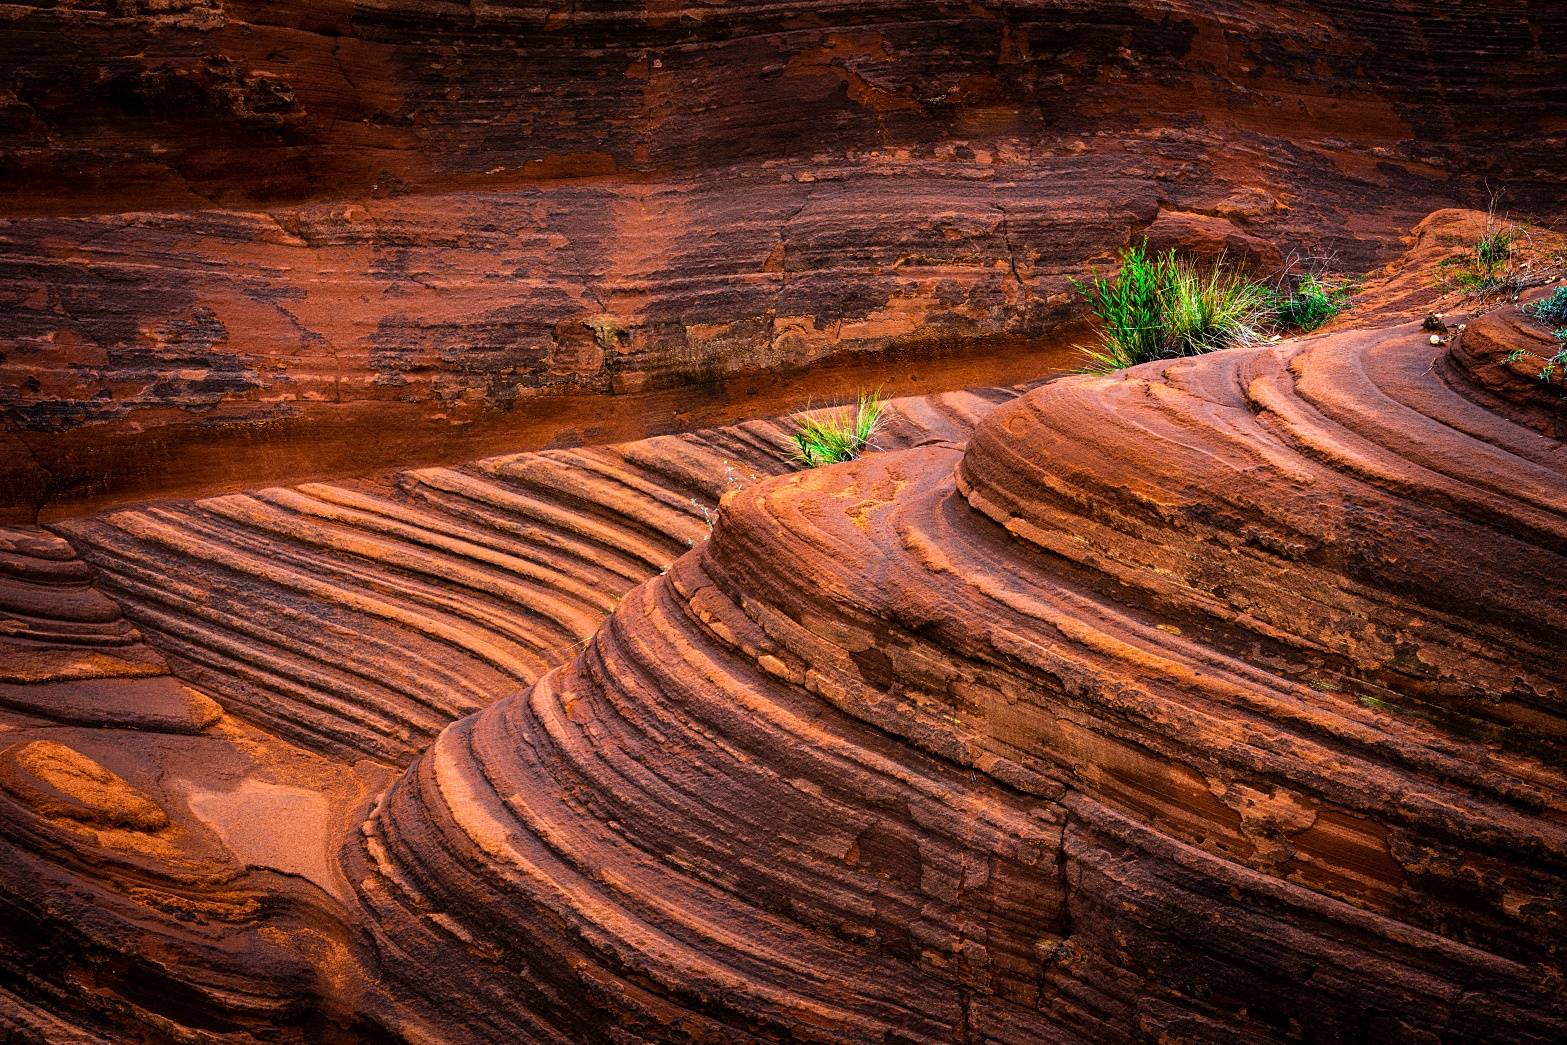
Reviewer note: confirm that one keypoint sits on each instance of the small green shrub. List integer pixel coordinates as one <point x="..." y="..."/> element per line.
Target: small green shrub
<point x="1495" y="248"/>
<point x="1554" y="365"/>
<point x="1311" y="303"/>
<point x="1160" y="307"/>
<point x="840" y="436"/>
<point x="1551" y="310"/>
<point x="1486" y="265"/>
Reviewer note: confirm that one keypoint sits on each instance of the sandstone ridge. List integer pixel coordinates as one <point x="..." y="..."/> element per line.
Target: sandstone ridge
<point x="1217" y="700"/>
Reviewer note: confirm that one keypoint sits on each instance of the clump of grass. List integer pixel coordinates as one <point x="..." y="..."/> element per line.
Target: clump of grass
<point x="1311" y="302"/>
<point x="1160" y="307"/>
<point x="840" y="436"/>
<point x="1486" y="266"/>
<point x="1483" y="267"/>
<point x="1551" y="310"/>
<point x="1495" y="248"/>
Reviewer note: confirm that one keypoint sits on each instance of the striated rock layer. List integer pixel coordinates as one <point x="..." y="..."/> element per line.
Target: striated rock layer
<point x="452" y="586"/>
<point x="167" y="873"/>
<point x="1218" y="700"/>
<point x="168" y="857"/>
<point x="1221" y="699"/>
<point x="243" y="242"/>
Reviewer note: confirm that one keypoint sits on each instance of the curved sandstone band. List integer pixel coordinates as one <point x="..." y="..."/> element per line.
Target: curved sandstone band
<point x="1220" y="699"/>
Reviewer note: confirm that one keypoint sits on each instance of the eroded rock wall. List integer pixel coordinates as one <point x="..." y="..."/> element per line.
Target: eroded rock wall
<point x="232" y="228"/>
<point x="455" y="586"/>
<point x="235" y="102"/>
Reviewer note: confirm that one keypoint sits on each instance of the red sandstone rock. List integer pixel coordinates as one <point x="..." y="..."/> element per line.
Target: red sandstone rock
<point x="244" y="242"/>
<point x="1218" y="700"/>
<point x="454" y="586"/>
<point x="135" y="896"/>
<point x="67" y="653"/>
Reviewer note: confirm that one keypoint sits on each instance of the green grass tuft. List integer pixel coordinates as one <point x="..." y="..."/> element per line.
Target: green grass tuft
<point x="1551" y="310"/>
<point x="839" y="436"/>
<point x="1486" y="266"/>
<point x="1495" y="248"/>
<point x="1161" y="307"/>
<point x="1311" y="303"/>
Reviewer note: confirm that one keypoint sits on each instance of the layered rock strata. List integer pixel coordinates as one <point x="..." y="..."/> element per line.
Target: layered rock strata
<point x="231" y="232"/>
<point x="67" y="653"/>
<point x="167" y="873"/>
<point x="1216" y="700"/>
<point x="453" y="586"/>
<point x="168" y="864"/>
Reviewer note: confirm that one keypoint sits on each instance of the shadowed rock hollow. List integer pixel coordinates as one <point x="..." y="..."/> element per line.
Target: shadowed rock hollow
<point x="1217" y="700"/>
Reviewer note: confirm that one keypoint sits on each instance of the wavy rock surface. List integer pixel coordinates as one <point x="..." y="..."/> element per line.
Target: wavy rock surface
<point x="67" y="653"/>
<point x="228" y="229"/>
<point x="166" y="872"/>
<point x="1217" y="700"/>
<point x="1220" y="700"/>
<point x="452" y="586"/>
<point x="167" y="875"/>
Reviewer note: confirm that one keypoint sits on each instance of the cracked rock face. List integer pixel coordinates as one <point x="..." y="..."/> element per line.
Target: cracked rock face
<point x="232" y="228"/>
